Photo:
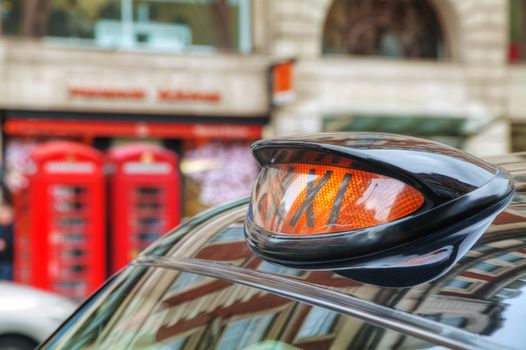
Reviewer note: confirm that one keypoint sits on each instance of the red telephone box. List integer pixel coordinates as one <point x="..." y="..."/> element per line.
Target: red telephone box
<point x="60" y="220"/>
<point x="144" y="186"/>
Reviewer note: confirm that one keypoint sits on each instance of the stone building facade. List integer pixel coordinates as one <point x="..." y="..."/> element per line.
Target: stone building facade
<point x="472" y="97"/>
<point x="476" y="82"/>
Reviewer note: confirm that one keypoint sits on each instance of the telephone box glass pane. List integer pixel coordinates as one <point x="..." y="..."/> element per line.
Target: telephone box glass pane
<point x="70" y="227"/>
<point x="149" y="214"/>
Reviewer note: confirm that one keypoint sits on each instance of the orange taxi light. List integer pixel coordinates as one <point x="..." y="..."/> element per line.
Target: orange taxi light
<point x="315" y="199"/>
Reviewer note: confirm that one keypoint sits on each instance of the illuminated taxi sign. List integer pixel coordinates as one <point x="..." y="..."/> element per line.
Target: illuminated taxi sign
<point x="379" y="208"/>
<point x="316" y="199"/>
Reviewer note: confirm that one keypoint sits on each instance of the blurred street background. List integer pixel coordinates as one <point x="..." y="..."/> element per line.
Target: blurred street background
<point x="120" y="118"/>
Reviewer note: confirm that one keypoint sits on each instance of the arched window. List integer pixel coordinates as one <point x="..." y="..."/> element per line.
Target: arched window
<point x="394" y="28"/>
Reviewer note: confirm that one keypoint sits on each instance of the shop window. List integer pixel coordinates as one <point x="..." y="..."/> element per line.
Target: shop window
<point x="216" y="173"/>
<point x="396" y="28"/>
<point x="449" y="130"/>
<point x="175" y="25"/>
<point x="18" y="158"/>
<point x="517" y="30"/>
<point x="518" y="137"/>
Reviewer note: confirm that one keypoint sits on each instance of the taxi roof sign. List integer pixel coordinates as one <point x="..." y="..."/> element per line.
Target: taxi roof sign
<point x="356" y="201"/>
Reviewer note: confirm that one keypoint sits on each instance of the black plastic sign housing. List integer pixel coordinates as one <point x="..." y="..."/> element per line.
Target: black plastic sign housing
<point x="462" y="196"/>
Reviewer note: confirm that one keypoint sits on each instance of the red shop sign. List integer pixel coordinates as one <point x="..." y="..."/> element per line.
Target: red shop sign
<point x="181" y="95"/>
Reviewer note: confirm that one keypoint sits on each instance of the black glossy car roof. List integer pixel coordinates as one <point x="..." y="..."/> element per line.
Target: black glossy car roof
<point x="483" y="294"/>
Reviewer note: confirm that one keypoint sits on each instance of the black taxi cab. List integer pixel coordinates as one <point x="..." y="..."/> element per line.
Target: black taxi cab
<point x="348" y="241"/>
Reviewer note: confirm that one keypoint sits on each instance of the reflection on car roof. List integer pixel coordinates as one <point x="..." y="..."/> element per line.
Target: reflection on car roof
<point x="477" y="295"/>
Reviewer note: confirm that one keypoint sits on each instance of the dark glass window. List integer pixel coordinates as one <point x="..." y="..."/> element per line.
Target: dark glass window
<point x="517" y="30"/>
<point x="395" y="28"/>
<point x="454" y="321"/>
<point x="167" y="25"/>
<point x="518" y="137"/>
<point x="510" y="257"/>
<point x="278" y="269"/>
<point x="459" y="284"/>
<point x="486" y="267"/>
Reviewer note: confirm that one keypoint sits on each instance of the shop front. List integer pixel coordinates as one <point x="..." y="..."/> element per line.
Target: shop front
<point x="206" y="149"/>
<point x="205" y="109"/>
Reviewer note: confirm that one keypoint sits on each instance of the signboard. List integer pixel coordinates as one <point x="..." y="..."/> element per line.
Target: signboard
<point x="138" y="94"/>
<point x="70" y="167"/>
<point x="147" y="168"/>
<point x="91" y="128"/>
<point x="218" y="85"/>
<point x="282" y="82"/>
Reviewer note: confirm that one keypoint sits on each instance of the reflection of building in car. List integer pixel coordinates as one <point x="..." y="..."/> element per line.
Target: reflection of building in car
<point x="202" y="287"/>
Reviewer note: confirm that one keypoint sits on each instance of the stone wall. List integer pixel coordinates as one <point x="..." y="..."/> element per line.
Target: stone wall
<point x="37" y="76"/>
<point x="473" y="84"/>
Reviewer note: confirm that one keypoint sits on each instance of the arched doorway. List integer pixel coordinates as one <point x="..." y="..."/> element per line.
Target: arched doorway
<point x="394" y="28"/>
